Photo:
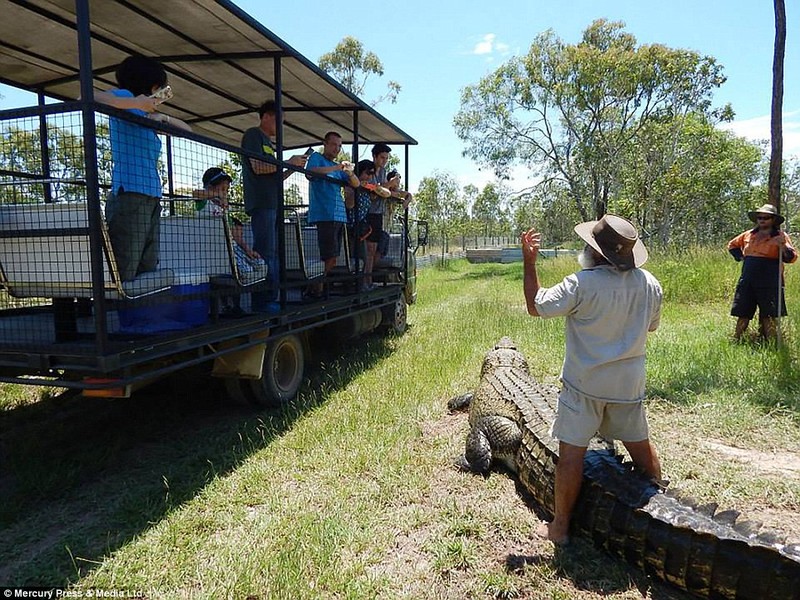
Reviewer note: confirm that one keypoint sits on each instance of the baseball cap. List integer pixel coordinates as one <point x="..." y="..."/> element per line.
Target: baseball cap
<point x="215" y="176"/>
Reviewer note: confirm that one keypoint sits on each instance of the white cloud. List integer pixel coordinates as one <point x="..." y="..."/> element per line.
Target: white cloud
<point x="486" y="45"/>
<point x="758" y="129"/>
<point x="489" y="48"/>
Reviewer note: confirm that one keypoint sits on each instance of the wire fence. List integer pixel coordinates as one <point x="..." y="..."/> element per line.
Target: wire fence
<point x="160" y="241"/>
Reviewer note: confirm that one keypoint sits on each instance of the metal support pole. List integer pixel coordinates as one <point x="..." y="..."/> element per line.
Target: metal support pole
<point x="355" y="241"/>
<point x="43" y="146"/>
<point x="170" y="176"/>
<point x="279" y="215"/>
<point x="406" y="232"/>
<point x="90" y="166"/>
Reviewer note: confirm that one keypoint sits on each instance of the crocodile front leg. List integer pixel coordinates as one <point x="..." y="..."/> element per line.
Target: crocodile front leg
<point x="492" y="438"/>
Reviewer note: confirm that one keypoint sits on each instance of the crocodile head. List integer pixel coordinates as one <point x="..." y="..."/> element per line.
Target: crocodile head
<point x="504" y="355"/>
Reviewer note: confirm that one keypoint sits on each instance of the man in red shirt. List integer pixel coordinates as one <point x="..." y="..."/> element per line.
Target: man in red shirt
<point x="763" y="249"/>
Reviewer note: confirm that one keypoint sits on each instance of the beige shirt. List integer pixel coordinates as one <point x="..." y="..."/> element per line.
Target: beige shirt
<point x="608" y="314"/>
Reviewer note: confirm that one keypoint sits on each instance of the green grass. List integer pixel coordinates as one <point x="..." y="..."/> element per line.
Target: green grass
<point x="350" y="492"/>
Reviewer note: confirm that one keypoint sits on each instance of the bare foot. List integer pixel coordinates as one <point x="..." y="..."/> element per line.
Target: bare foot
<point x="545" y="530"/>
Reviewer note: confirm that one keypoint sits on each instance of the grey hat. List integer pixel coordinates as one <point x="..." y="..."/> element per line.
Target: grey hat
<point x="616" y="239"/>
<point x="766" y="209"/>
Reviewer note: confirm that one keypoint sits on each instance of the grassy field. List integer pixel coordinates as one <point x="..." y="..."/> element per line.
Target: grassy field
<point x="351" y="493"/>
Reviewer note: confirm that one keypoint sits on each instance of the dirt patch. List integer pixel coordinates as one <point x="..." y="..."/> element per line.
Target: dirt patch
<point x="471" y="536"/>
<point x="776" y="463"/>
<point x="500" y="555"/>
<point x="781" y="465"/>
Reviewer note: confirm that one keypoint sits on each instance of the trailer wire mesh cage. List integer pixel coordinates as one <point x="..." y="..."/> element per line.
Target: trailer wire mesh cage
<point x="107" y="273"/>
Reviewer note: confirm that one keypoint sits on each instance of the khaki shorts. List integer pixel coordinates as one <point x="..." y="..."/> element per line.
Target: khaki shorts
<point x="579" y="418"/>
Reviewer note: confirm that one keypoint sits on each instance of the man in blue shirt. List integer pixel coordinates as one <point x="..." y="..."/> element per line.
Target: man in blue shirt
<point x="326" y="203"/>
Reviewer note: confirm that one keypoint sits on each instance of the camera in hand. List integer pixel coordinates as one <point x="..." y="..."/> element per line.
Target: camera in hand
<point x="162" y="94"/>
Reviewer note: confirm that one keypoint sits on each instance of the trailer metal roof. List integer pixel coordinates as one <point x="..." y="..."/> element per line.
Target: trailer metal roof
<point x="220" y="61"/>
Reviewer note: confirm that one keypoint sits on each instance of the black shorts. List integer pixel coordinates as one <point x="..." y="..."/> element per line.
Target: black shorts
<point x="748" y="297"/>
<point x="329" y="239"/>
<point x="375" y="221"/>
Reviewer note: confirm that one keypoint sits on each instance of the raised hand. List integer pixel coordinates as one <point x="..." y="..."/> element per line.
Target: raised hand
<point x="531" y="241"/>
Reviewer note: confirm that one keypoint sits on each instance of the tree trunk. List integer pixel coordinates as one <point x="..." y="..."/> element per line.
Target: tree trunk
<point x="602" y="208"/>
<point x="776" y="158"/>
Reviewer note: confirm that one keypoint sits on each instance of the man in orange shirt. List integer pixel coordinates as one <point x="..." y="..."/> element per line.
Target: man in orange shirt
<point x="764" y="249"/>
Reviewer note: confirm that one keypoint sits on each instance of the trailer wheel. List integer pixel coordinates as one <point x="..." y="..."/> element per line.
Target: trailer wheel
<point x="395" y="316"/>
<point x="282" y="375"/>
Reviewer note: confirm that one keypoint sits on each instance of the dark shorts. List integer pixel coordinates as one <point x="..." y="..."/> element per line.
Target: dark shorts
<point x="356" y="239"/>
<point x="758" y="288"/>
<point x="748" y="297"/>
<point x="329" y="238"/>
<point x="375" y="221"/>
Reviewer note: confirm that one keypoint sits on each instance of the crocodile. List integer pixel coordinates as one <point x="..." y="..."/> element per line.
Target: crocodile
<point x="707" y="552"/>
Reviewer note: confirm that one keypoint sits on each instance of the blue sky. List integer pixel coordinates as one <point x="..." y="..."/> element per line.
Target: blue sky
<point x="434" y="49"/>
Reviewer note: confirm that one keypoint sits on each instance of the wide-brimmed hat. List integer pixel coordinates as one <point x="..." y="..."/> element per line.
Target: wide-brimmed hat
<point x="616" y="239"/>
<point x="766" y="209"/>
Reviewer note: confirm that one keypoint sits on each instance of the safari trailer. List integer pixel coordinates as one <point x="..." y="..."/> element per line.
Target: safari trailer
<point x="67" y="319"/>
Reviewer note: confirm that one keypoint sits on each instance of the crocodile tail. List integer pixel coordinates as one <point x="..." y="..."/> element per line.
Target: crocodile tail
<point x="707" y="553"/>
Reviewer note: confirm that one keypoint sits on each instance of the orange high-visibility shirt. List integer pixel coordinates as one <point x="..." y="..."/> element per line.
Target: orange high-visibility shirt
<point x="754" y="243"/>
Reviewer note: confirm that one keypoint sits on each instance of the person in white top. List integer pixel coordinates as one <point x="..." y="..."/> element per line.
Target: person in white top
<point x="610" y="306"/>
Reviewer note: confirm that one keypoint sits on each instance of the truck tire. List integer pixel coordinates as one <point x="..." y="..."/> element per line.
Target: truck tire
<point x="395" y="316"/>
<point x="282" y="375"/>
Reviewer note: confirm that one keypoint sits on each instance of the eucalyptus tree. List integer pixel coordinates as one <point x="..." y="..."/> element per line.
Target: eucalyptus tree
<point x="790" y="186"/>
<point x="352" y="66"/>
<point x="488" y="209"/>
<point x="689" y="189"/>
<point x="21" y="153"/>
<point x="776" y="128"/>
<point x="548" y="208"/>
<point x="569" y="111"/>
<point x="439" y="202"/>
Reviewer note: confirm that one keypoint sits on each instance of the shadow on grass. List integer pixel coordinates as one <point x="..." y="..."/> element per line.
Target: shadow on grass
<point x="492" y="271"/>
<point x="81" y="477"/>
<point x="591" y="570"/>
<point x="481" y="271"/>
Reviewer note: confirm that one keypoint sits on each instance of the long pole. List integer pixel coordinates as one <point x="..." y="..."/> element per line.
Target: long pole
<point x="776" y="158"/>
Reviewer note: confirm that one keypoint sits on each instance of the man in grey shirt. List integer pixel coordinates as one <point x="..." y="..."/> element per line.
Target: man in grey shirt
<point x="609" y="306"/>
<point x="262" y="191"/>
